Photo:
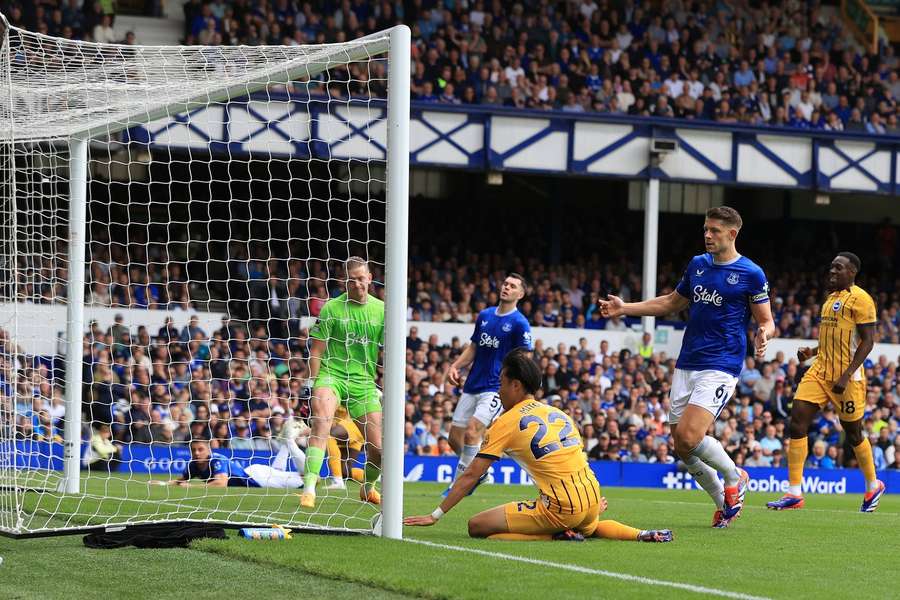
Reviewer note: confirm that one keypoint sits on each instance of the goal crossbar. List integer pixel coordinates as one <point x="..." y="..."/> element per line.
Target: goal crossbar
<point x="68" y="106"/>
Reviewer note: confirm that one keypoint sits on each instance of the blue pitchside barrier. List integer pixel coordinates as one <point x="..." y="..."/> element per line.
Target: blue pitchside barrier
<point x="619" y="474"/>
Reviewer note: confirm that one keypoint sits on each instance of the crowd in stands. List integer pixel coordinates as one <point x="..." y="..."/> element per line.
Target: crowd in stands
<point x="455" y="289"/>
<point x="236" y="385"/>
<point x="792" y="64"/>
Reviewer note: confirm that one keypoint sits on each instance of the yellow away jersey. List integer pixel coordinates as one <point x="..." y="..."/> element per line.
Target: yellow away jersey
<point x="544" y="440"/>
<point x="842" y="311"/>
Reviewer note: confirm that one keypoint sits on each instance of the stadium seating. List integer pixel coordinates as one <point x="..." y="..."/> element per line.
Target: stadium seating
<point x="787" y="66"/>
<point x="235" y="386"/>
<point x="455" y="290"/>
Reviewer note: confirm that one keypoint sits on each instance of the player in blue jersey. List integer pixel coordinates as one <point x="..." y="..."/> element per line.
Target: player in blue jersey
<point x="723" y="290"/>
<point x="211" y="469"/>
<point x="498" y="330"/>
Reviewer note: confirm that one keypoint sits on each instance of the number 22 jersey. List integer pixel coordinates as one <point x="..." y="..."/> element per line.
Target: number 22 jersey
<point x="543" y="439"/>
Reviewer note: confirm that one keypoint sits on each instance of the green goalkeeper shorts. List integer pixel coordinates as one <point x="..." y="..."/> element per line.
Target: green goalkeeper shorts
<point x="359" y="398"/>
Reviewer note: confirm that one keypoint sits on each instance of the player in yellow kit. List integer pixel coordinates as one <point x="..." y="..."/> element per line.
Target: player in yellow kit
<point x="846" y="336"/>
<point x="545" y="442"/>
<point x="344" y="445"/>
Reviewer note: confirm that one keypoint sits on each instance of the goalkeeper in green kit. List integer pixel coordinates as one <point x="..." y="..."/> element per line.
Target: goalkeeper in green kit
<point x="343" y="360"/>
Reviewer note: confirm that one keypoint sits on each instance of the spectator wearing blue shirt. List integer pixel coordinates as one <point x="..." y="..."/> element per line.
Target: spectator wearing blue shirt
<point x="819" y="458"/>
<point x="877" y="453"/>
<point x="744" y="76"/>
<point x="749" y="376"/>
<point x="593" y="81"/>
<point x="191" y="330"/>
<point x="427" y="94"/>
<point x="826" y="427"/>
<point x="770" y="443"/>
<point x="411" y="439"/>
<point x="595" y="50"/>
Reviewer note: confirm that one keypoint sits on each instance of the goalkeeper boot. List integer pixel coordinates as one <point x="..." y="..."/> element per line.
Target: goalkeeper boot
<point x="786" y="502"/>
<point x="656" y="535"/>
<point x="308" y="500"/>
<point x="871" y="499"/>
<point x="371" y="495"/>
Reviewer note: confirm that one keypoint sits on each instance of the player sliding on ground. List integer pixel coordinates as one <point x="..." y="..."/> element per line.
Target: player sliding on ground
<point x="343" y="362"/>
<point x="722" y="289"/>
<point x="544" y="441"/>
<point x="498" y="330"/>
<point x="211" y="469"/>
<point x="846" y="336"/>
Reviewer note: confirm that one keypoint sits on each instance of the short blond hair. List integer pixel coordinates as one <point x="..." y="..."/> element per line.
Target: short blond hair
<point x="356" y="262"/>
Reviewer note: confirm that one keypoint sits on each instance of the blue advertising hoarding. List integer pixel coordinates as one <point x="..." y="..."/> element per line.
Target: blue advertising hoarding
<point x="623" y="474"/>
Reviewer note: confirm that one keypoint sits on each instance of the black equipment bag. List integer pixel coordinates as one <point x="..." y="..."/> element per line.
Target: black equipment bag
<point x="154" y="535"/>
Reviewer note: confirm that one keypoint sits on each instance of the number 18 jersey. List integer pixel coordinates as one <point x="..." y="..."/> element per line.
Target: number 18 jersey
<point x="543" y="439"/>
<point x="842" y="312"/>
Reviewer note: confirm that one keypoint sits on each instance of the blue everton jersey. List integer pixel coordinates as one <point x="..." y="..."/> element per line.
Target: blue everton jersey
<point x="720" y="297"/>
<point x="494" y="337"/>
<point x="237" y="477"/>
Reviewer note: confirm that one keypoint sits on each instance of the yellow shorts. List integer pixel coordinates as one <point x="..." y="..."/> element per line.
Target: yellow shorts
<point x="356" y="439"/>
<point x="534" y="517"/>
<point x="850" y="405"/>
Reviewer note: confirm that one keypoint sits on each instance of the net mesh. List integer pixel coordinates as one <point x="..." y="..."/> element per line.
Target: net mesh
<point x="227" y="187"/>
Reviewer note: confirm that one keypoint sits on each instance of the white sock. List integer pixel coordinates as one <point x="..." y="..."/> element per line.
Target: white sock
<point x="707" y="478"/>
<point x="871" y="485"/>
<point x="297" y="455"/>
<point x="280" y="460"/>
<point x="465" y="459"/>
<point x="710" y="451"/>
<point x="794" y="490"/>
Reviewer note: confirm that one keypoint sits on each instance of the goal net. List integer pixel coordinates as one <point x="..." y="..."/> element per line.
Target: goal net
<point x="173" y="220"/>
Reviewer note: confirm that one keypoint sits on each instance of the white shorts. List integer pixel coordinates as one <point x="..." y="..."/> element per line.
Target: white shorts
<point x="269" y="477"/>
<point x="710" y="390"/>
<point x="485" y="407"/>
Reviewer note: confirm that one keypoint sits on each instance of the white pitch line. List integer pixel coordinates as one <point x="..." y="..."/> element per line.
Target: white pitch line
<point x="697" y="589"/>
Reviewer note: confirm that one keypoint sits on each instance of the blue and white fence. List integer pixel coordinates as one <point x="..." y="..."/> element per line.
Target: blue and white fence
<point x="530" y="141"/>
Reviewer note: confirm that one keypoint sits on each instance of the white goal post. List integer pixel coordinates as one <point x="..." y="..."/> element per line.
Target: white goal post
<point x="110" y="233"/>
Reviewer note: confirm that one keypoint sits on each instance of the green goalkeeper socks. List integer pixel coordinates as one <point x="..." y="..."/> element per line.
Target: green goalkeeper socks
<point x="372" y="474"/>
<point x="314" y="458"/>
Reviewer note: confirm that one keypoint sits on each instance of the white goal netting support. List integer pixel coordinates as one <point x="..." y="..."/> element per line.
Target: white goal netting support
<point x="172" y="221"/>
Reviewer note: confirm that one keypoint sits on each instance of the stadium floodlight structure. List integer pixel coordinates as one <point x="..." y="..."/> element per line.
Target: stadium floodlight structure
<point x="149" y="223"/>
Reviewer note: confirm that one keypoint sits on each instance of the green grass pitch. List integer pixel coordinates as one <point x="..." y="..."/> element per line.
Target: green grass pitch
<point x="825" y="550"/>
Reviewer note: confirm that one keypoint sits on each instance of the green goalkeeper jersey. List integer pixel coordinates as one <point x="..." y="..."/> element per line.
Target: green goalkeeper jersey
<point x="354" y="333"/>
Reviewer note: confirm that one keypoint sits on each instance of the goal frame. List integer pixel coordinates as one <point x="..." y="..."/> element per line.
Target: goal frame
<point x="395" y="42"/>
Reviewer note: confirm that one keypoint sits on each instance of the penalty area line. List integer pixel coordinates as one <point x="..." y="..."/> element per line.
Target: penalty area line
<point x="698" y="589"/>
